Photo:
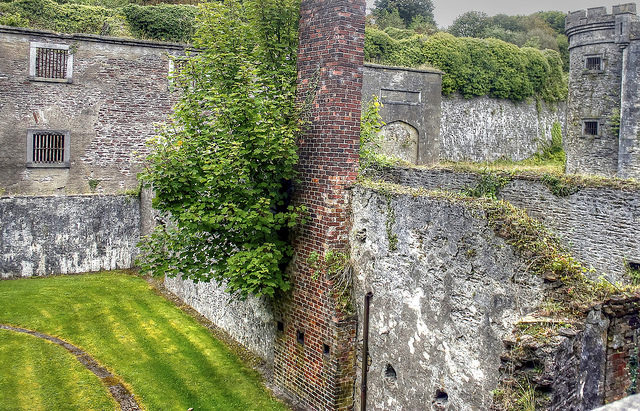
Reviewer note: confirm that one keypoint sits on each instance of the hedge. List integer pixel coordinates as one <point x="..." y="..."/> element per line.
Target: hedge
<point x="475" y="67"/>
<point x="167" y="22"/>
<point x="162" y="22"/>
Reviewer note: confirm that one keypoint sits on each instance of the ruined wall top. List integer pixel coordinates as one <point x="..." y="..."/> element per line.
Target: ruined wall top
<point x="596" y="17"/>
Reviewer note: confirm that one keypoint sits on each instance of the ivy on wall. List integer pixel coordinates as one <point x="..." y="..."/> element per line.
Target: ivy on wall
<point x="220" y="168"/>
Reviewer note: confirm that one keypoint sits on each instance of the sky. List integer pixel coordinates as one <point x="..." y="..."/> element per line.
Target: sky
<point x="446" y="11"/>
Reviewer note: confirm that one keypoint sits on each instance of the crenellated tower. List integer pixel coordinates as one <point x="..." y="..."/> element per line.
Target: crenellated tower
<point x="602" y="117"/>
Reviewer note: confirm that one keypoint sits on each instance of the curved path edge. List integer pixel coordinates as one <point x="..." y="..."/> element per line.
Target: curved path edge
<point x="118" y="391"/>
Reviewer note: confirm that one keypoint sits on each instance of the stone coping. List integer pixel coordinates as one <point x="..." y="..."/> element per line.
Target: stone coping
<point x="93" y="38"/>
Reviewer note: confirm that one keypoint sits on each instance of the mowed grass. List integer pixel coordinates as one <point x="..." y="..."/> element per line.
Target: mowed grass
<point x="38" y="375"/>
<point x="168" y="360"/>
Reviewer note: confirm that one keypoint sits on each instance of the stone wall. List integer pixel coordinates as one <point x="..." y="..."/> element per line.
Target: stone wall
<point x="598" y="224"/>
<point x="67" y="234"/>
<point x="446" y="290"/>
<point x="118" y="92"/>
<point x="587" y="363"/>
<point x="487" y="129"/>
<point x="250" y="322"/>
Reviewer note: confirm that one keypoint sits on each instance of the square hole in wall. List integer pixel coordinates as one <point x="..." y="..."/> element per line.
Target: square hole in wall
<point x="326" y="350"/>
<point x="300" y="337"/>
<point x="280" y="326"/>
<point x="634" y="266"/>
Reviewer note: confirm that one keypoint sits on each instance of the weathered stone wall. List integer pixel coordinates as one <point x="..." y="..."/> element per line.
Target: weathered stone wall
<point x="411" y="101"/>
<point x="629" y="153"/>
<point x="67" y="234"/>
<point x="487" y="129"/>
<point x="446" y="290"/>
<point x="586" y="363"/>
<point x="119" y="90"/>
<point x="598" y="224"/>
<point x="250" y="322"/>
<point x="621" y="376"/>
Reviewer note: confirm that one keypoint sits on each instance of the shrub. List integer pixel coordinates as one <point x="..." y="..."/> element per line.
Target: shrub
<point x="68" y="17"/>
<point x="161" y="22"/>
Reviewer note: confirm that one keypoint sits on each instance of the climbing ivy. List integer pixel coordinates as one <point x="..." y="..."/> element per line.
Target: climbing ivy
<point x="220" y="169"/>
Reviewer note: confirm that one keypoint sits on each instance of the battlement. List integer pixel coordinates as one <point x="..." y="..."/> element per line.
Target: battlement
<point x="596" y="17"/>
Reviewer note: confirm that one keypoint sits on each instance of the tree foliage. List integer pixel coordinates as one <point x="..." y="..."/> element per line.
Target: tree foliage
<point x="408" y="11"/>
<point x="541" y="30"/>
<point x="220" y="168"/>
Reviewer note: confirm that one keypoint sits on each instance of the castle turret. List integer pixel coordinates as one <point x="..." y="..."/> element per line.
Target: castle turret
<point x="602" y="121"/>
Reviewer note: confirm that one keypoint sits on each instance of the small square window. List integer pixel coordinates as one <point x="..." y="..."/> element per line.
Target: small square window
<point x="300" y="337"/>
<point x="50" y="62"/>
<point x="48" y="148"/>
<point x="590" y="128"/>
<point x="280" y="326"/>
<point x="593" y="63"/>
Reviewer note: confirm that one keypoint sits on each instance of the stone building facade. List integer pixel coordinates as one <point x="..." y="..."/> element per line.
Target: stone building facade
<point x="75" y="110"/>
<point x="602" y="114"/>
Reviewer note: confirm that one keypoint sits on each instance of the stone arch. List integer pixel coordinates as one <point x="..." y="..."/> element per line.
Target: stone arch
<point x="400" y="140"/>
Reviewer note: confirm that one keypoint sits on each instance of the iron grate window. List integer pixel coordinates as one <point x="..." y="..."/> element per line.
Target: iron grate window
<point x="594" y="63"/>
<point x="591" y="128"/>
<point x="48" y="148"/>
<point x="51" y="63"/>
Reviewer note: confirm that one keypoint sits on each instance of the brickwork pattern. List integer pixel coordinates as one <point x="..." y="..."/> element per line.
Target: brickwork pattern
<point x="330" y="65"/>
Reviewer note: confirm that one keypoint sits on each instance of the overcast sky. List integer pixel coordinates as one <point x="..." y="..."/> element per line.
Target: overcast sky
<point x="447" y="10"/>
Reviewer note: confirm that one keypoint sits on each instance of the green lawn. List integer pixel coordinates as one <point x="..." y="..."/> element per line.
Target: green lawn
<point x="168" y="360"/>
<point x="39" y="375"/>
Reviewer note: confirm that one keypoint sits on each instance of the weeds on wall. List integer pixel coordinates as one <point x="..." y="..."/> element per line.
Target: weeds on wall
<point x="633" y="272"/>
<point x="371" y="158"/>
<point x="488" y="185"/>
<point x="337" y="268"/>
<point x="221" y="169"/>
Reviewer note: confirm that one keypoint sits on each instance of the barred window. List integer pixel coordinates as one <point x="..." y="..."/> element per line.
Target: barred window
<point x="590" y="128"/>
<point x="47" y="148"/>
<point x="593" y="63"/>
<point x="50" y="62"/>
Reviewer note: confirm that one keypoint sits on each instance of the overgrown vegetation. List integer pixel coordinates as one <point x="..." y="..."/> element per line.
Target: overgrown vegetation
<point x="170" y="22"/>
<point x="221" y="169"/>
<point x="488" y="185"/>
<point x="633" y="272"/>
<point x="475" y="67"/>
<point x="541" y="30"/>
<point x="167" y="359"/>
<point x="371" y="158"/>
<point x="336" y="266"/>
